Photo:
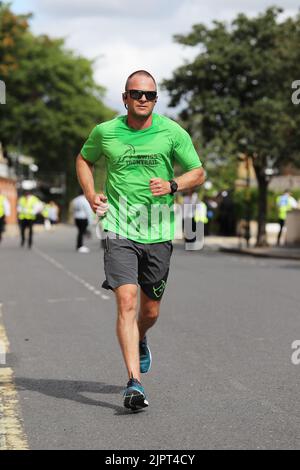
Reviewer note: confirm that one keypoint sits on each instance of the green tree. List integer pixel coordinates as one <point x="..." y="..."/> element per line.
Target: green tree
<point x="236" y="93"/>
<point x="52" y="98"/>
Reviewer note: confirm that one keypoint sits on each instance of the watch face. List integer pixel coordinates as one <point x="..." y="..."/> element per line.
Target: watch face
<point x="174" y="186"/>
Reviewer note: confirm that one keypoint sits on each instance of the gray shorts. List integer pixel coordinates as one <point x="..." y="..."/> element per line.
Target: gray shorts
<point x="130" y="262"/>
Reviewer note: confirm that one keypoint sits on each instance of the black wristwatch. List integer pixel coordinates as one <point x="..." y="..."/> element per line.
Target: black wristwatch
<point x="174" y="186"/>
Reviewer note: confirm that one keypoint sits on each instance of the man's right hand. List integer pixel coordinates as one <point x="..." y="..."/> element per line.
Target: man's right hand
<point x="99" y="204"/>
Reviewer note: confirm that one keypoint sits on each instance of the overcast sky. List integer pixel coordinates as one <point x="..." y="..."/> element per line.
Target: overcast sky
<point x="126" y="35"/>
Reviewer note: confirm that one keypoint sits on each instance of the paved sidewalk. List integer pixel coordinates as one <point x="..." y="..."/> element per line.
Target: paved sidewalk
<point x="238" y="246"/>
<point x="267" y="252"/>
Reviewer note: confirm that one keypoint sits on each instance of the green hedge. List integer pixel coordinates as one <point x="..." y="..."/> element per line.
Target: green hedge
<point x="240" y="200"/>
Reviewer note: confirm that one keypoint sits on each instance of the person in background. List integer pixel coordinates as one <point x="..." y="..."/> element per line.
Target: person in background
<point x="4" y="212"/>
<point x="45" y="214"/>
<point x="83" y="217"/>
<point x="226" y="214"/>
<point x="211" y="208"/>
<point x="53" y="213"/>
<point x="201" y="214"/>
<point x="190" y="199"/>
<point x="285" y="203"/>
<point x="28" y="207"/>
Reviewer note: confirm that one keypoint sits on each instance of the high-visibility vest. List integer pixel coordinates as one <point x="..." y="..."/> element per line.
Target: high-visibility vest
<point x="284" y="205"/>
<point x="201" y="213"/>
<point x="27" y="207"/>
<point x="45" y="211"/>
<point x="2" y="209"/>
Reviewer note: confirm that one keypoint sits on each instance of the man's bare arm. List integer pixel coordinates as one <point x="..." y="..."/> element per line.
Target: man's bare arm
<point x="85" y="177"/>
<point x="190" y="179"/>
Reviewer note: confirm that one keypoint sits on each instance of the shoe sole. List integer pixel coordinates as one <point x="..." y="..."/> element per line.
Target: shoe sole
<point x="145" y="371"/>
<point x="135" y="401"/>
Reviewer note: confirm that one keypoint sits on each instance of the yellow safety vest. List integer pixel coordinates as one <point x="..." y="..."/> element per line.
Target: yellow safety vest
<point x="201" y="213"/>
<point x="2" y="211"/>
<point x="284" y="206"/>
<point x="27" y="205"/>
<point x="45" y="211"/>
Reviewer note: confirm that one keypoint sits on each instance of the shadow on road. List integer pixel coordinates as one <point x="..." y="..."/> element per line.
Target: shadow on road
<point x="73" y="390"/>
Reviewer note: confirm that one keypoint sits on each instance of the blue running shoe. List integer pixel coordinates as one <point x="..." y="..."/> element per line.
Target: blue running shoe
<point x="145" y="356"/>
<point x="134" y="395"/>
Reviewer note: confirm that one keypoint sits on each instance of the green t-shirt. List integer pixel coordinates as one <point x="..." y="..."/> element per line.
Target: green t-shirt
<point x="133" y="157"/>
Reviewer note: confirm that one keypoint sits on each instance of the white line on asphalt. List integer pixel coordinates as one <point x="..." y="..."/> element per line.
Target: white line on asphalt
<point x="76" y="278"/>
<point x="76" y="299"/>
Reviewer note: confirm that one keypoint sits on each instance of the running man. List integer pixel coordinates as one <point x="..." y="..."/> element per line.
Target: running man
<point x="140" y="149"/>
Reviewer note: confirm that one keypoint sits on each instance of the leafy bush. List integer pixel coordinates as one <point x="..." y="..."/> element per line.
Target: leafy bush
<point x="242" y="201"/>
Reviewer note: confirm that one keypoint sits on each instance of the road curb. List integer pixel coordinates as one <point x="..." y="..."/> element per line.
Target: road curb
<point x="260" y="254"/>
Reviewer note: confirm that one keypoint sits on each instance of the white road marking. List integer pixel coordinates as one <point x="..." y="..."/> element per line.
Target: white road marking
<point x="77" y="299"/>
<point x="69" y="273"/>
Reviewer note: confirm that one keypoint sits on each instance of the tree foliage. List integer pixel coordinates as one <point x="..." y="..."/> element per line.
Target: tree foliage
<point x="52" y="98"/>
<point x="236" y="93"/>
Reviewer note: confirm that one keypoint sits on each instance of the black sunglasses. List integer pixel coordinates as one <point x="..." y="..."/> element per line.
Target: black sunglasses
<point x="137" y="94"/>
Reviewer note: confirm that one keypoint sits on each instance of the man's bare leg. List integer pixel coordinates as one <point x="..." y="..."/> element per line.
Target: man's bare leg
<point x="148" y="314"/>
<point x="127" y="327"/>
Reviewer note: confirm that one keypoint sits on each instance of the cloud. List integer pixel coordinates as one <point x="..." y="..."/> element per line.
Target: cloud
<point x="193" y="11"/>
<point x="114" y="68"/>
<point x="126" y="35"/>
<point x="118" y="54"/>
<point x="108" y="8"/>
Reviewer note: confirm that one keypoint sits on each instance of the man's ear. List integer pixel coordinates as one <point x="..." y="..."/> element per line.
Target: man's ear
<point x="124" y="96"/>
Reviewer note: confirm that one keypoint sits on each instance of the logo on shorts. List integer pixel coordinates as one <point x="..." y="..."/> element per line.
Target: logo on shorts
<point x="158" y="291"/>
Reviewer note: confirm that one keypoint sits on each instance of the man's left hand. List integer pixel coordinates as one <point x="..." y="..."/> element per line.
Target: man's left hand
<point x="159" y="187"/>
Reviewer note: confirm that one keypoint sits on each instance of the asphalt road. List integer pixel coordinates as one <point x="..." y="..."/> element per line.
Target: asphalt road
<point x="222" y="375"/>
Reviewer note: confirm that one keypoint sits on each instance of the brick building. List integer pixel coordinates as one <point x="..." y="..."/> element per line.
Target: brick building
<point x="8" y="187"/>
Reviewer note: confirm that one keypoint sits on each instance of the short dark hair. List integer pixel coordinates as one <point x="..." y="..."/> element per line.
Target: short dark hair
<point x="139" y="72"/>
